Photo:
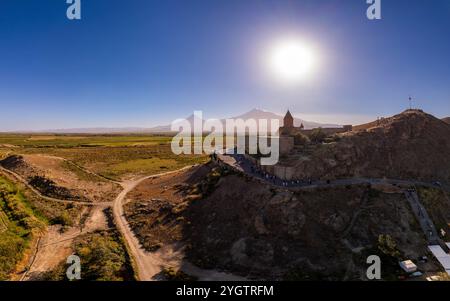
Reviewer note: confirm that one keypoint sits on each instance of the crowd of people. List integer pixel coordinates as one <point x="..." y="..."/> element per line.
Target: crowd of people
<point x="258" y="172"/>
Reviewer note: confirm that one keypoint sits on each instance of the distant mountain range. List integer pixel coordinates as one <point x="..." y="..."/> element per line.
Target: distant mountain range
<point x="261" y="114"/>
<point x="253" y="114"/>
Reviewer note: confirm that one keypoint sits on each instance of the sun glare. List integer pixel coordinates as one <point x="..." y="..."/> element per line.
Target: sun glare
<point x="292" y="61"/>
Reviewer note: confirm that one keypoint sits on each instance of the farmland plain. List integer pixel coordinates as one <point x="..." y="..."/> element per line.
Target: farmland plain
<point x="65" y="185"/>
<point x="112" y="156"/>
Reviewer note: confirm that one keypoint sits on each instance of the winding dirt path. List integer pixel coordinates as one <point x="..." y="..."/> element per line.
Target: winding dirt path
<point x="149" y="264"/>
<point x="39" y="194"/>
<point x="55" y="245"/>
<point x="146" y="264"/>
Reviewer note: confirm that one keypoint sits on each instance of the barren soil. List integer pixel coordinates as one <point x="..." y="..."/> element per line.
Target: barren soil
<point x="232" y="223"/>
<point x="151" y="262"/>
<point x="412" y="145"/>
<point x="56" y="177"/>
<point x="57" y="244"/>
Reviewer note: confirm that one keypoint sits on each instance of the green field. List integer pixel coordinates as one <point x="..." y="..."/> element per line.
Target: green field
<point x="47" y="140"/>
<point x="17" y="226"/>
<point x="112" y="156"/>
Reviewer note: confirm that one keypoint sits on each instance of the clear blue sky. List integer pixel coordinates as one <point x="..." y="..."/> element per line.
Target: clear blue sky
<point x="147" y="62"/>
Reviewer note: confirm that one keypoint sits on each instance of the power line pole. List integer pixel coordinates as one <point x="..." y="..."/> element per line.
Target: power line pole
<point x="410" y="103"/>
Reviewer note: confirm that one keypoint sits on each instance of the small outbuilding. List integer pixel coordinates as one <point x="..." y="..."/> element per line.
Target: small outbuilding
<point x="408" y="266"/>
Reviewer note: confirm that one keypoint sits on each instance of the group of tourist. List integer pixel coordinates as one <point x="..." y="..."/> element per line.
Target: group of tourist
<point x="254" y="170"/>
<point x="274" y="179"/>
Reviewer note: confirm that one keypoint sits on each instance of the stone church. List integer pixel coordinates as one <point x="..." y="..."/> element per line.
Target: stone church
<point x="289" y="130"/>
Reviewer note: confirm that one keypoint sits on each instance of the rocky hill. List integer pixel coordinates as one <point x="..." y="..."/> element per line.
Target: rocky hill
<point x="224" y="220"/>
<point x="230" y="222"/>
<point x="446" y="120"/>
<point x="410" y="145"/>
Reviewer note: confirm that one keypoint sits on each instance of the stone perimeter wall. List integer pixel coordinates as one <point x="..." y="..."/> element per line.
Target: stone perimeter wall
<point x="281" y="172"/>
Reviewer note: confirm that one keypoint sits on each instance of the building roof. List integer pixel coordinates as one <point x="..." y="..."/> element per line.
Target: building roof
<point x="441" y="256"/>
<point x="408" y="265"/>
<point x="288" y="115"/>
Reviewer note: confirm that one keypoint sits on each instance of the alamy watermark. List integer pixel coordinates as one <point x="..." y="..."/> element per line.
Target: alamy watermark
<point x="73" y="272"/>
<point x="374" y="270"/>
<point x="74" y="10"/>
<point x="233" y="136"/>
<point x="373" y="11"/>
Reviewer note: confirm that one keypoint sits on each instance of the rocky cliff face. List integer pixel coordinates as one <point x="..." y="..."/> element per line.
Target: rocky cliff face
<point x="231" y="222"/>
<point x="411" y="145"/>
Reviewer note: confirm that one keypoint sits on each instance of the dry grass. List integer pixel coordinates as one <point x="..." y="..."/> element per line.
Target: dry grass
<point x="112" y="156"/>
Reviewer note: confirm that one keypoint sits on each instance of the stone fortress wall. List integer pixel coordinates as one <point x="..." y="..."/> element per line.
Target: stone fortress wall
<point x="287" y="133"/>
<point x="281" y="172"/>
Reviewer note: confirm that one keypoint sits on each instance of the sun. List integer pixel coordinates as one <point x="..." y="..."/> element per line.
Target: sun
<point x="292" y="61"/>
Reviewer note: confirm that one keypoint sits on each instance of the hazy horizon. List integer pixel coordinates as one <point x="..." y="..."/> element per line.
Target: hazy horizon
<point x="322" y="119"/>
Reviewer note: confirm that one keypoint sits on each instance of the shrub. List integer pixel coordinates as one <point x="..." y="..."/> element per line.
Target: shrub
<point x="63" y="219"/>
<point x="388" y="246"/>
<point x="300" y="139"/>
<point x="11" y="249"/>
<point x="170" y="274"/>
<point x="318" y="135"/>
<point x="20" y="222"/>
<point x="103" y="257"/>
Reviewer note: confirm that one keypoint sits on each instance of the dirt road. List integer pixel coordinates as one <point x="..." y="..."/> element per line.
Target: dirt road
<point x="148" y="264"/>
<point x="55" y="246"/>
<point x="38" y="193"/>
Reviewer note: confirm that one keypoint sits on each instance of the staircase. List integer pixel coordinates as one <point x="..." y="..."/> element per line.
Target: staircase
<point x="424" y="219"/>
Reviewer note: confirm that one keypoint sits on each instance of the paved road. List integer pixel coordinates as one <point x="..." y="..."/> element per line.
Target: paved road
<point x="422" y="216"/>
<point x="149" y="264"/>
<point x="240" y="163"/>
